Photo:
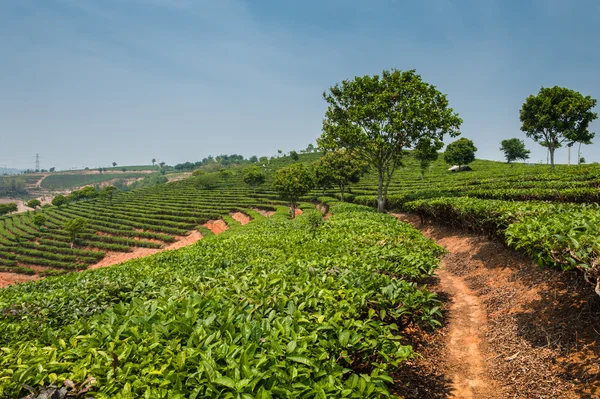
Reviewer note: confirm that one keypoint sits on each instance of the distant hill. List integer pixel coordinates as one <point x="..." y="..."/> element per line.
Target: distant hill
<point x="10" y="171"/>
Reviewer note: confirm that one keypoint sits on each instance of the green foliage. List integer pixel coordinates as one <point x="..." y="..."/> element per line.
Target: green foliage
<point x="254" y="176"/>
<point x="426" y="152"/>
<point x="267" y="311"/>
<point x="34" y="203"/>
<point x="294" y="155"/>
<point x="108" y="193"/>
<point x="74" y="227"/>
<point x="558" y="116"/>
<point x="379" y="117"/>
<point x="207" y="181"/>
<point x="460" y="152"/>
<point x="67" y="181"/>
<point x="39" y="219"/>
<point x="59" y="200"/>
<point x="514" y="149"/>
<point x="340" y="168"/>
<point x="293" y="182"/>
<point x="8" y="208"/>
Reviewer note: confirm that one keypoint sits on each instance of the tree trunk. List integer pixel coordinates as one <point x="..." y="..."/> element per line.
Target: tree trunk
<point x="293" y="210"/>
<point x="422" y="174"/>
<point x="380" y="199"/>
<point x="579" y="154"/>
<point x="342" y="187"/>
<point x="551" y="151"/>
<point x="569" y="156"/>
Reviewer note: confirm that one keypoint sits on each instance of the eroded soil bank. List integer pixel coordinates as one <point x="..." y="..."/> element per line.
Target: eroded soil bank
<point x="512" y="329"/>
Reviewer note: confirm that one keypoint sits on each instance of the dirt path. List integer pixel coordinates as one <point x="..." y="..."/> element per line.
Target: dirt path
<point x="38" y="184"/>
<point x="467" y="324"/>
<point x="513" y="330"/>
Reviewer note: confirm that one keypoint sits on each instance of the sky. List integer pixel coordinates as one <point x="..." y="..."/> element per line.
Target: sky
<point x="91" y="82"/>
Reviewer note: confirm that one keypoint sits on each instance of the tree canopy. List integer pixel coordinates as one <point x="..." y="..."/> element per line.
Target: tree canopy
<point x="426" y="152"/>
<point x="34" y="203"/>
<point x="59" y="200"/>
<point x="378" y="117"/>
<point x="460" y="152"/>
<point x="254" y="176"/>
<point x="74" y="227"/>
<point x="340" y="168"/>
<point x="8" y="208"/>
<point x="293" y="182"/>
<point x="558" y="116"/>
<point x="514" y="149"/>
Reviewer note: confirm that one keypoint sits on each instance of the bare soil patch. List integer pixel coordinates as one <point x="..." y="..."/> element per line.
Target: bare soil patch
<point x="541" y="339"/>
<point x="263" y="212"/>
<point x="8" y="278"/>
<point x="216" y="226"/>
<point x="298" y="212"/>
<point x="241" y="217"/>
<point x="324" y="209"/>
<point x="114" y="258"/>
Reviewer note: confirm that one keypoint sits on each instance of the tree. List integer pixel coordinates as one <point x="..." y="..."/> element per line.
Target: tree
<point x="108" y="193"/>
<point x="207" y="181"/>
<point x="294" y="155"/>
<point x="114" y="164"/>
<point x="557" y="116"/>
<point x="379" y="117"/>
<point x="310" y="148"/>
<point x="5" y="209"/>
<point x="253" y="159"/>
<point x="293" y="182"/>
<point x="426" y="152"/>
<point x="153" y="161"/>
<point x="461" y="152"/>
<point x="34" y="203"/>
<point x="162" y="164"/>
<point x="514" y="149"/>
<point x="39" y="219"/>
<point x="74" y="227"/>
<point x="340" y="168"/>
<point x="254" y="176"/>
<point x="52" y="169"/>
<point x="263" y="160"/>
<point x="59" y="200"/>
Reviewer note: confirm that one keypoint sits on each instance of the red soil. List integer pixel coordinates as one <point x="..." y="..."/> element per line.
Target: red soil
<point x="241" y="217"/>
<point x="216" y="226"/>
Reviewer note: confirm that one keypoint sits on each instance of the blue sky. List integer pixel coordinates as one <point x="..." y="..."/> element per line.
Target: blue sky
<point x="89" y="82"/>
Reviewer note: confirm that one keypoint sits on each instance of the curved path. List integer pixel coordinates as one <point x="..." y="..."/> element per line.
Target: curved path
<point x="514" y="330"/>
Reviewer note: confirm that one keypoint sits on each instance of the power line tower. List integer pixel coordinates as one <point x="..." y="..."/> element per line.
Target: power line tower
<point x="37" y="162"/>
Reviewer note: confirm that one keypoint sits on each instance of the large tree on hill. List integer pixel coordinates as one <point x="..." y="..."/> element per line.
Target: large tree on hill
<point x="340" y="168"/>
<point x="460" y="152"/>
<point x="293" y="182"/>
<point x="557" y="116"/>
<point x="378" y="117"/>
<point x="514" y="149"/>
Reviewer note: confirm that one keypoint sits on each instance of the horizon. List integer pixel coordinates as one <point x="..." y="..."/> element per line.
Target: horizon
<point x="88" y="83"/>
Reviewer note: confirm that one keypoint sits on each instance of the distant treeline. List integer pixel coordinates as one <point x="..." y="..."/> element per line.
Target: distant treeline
<point x="223" y="160"/>
<point x="12" y="186"/>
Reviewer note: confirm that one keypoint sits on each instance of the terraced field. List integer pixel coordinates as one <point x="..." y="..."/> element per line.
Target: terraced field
<point x="276" y="309"/>
<point x="554" y="217"/>
<point x="147" y="218"/>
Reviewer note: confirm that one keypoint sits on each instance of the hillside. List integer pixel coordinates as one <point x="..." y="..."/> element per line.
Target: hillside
<point x="316" y="306"/>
